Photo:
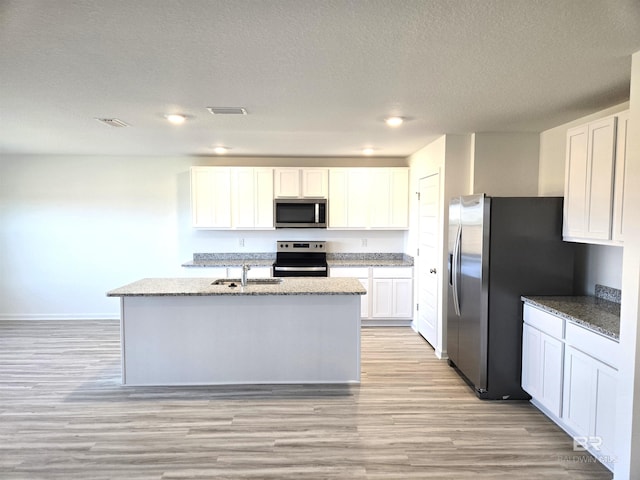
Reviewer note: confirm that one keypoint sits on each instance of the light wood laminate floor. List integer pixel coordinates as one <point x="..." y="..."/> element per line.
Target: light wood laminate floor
<point x="64" y="415"/>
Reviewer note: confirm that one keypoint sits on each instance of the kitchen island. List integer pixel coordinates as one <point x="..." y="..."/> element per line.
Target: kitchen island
<point x="188" y="331"/>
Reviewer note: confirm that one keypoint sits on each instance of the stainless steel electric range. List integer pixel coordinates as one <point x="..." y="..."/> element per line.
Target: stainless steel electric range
<point x="300" y="259"/>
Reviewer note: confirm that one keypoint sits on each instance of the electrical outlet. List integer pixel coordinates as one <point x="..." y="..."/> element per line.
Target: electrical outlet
<point x="241" y="242"/>
<point x="364" y="242"/>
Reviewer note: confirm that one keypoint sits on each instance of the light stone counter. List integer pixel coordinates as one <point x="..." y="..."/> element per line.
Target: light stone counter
<point x="597" y="314"/>
<point x="203" y="287"/>
<point x="333" y="259"/>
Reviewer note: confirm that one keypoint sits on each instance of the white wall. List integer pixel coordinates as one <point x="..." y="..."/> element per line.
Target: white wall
<point x="600" y="264"/>
<point x="450" y="156"/>
<point x="505" y="164"/>
<point x="72" y="228"/>
<point x="627" y="465"/>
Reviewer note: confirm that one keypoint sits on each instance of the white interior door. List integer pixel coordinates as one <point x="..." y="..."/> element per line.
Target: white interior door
<point x="428" y="258"/>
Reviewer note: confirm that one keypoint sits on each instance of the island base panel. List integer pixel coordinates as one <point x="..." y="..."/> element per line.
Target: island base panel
<point x="205" y="340"/>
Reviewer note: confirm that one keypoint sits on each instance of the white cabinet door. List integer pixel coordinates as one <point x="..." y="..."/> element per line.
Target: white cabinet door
<point x="244" y="198"/>
<point x="338" y="184"/>
<point x="379" y="202"/>
<point x="382" y="298"/>
<point x="542" y="358"/>
<point x="531" y="361"/>
<point x="348" y="198"/>
<point x="358" y="198"/>
<point x="263" y="198"/>
<point x="392" y="298"/>
<point x="211" y="197"/>
<point x="619" y="182"/>
<point x="389" y="198"/>
<point x="252" y="198"/>
<point x="301" y="183"/>
<point x="229" y="197"/>
<point x="590" y="401"/>
<point x="369" y="198"/>
<point x="575" y="189"/>
<point x="254" y="272"/>
<point x="578" y="399"/>
<point x="551" y="356"/>
<point x="402" y="298"/>
<point x="602" y="142"/>
<point x="287" y="182"/>
<point x="315" y="182"/>
<point x="590" y="159"/>
<point x="605" y="413"/>
<point x="399" y="198"/>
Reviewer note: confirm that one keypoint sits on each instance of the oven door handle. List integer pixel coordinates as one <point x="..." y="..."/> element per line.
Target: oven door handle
<point x="300" y="269"/>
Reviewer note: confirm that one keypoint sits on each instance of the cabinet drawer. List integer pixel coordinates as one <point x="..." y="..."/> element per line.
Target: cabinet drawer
<point x="358" y="272"/>
<point x="544" y="321"/>
<point x="392" y="272"/>
<point x="593" y="344"/>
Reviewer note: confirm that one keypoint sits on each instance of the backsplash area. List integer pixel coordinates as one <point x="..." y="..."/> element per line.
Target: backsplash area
<point x="608" y="293"/>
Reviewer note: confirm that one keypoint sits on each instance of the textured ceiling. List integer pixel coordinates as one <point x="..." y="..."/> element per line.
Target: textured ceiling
<point x="316" y="76"/>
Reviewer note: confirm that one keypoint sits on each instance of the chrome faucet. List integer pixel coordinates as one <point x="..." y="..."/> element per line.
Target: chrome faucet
<point x="243" y="279"/>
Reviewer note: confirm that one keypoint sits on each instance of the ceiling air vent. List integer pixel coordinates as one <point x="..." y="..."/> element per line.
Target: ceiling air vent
<point x="227" y="110"/>
<point x="113" y="122"/>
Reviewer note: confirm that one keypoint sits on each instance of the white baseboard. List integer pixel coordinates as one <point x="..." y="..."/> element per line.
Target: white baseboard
<point x="58" y="316"/>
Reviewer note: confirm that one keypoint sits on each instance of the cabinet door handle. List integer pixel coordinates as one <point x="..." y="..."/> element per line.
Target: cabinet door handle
<point x="432" y="270"/>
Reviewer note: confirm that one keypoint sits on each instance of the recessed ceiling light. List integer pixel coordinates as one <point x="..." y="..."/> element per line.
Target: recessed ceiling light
<point x="368" y="151"/>
<point x="394" y="121"/>
<point x="175" y="118"/>
<point x="221" y="150"/>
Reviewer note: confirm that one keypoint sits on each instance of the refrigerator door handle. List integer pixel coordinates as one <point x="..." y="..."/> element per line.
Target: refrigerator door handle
<point x="456" y="271"/>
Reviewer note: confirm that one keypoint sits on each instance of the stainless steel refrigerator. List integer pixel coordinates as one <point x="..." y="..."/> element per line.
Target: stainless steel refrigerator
<point x="499" y="249"/>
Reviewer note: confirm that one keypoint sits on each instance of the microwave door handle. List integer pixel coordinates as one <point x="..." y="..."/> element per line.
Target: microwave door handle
<point x="317" y="205"/>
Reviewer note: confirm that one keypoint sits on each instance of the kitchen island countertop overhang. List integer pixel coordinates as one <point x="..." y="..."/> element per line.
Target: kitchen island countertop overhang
<point x="205" y="287"/>
<point x="186" y="331"/>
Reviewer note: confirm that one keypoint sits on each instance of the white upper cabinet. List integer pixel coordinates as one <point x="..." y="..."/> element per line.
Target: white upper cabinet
<point x="242" y="197"/>
<point x="232" y="198"/>
<point x="619" y="182"/>
<point x="315" y="182"/>
<point x="252" y="198"/>
<point x="211" y="197"/>
<point x="286" y="182"/>
<point x="369" y="198"/>
<point x="300" y="183"/>
<point x="589" y="182"/>
<point x="389" y="196"/>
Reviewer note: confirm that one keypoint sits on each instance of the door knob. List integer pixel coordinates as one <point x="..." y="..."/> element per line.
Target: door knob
<point x="432" y="270"/>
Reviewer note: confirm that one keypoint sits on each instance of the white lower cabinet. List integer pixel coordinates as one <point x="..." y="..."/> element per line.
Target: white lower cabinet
<point x="570" y="373"/>
<point x="590" y="403"/>
<point x="226" y="272"/>
<point x="389" y="297"/>
<point x="542" y="368"/>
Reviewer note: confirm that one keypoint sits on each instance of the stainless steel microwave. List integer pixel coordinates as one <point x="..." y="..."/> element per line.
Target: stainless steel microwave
<point x="300" y="212"/>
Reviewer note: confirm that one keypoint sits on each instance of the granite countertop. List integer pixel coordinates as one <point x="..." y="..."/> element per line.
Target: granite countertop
<point x="369" y="260"/>
<point x="597" y="314"/>
<point x="333" y="259"/>
<point x="203" y="287"/>
<point x="231" y="260"/>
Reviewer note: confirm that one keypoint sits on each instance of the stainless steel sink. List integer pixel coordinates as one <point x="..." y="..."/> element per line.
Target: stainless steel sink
<point x="250" y="281"/>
